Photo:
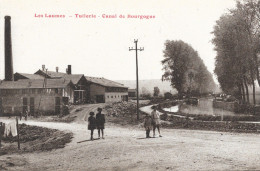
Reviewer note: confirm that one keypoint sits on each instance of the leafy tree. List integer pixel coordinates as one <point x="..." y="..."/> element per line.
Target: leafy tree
<point x="145" y="91"/>
<point x="185" y="69"/>
<point x="236" y="38"/>
<point x="167" y="95"/>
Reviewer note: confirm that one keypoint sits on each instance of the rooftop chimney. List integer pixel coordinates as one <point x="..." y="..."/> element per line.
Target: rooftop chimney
<point x="57" y="69"/>
<point x="9" y="76"/>
<point x="43" y="67"/>
<point x="69" y="69"/>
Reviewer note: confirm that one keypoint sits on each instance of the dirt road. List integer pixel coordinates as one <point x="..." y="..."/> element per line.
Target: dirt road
<point x="127" y="149"/>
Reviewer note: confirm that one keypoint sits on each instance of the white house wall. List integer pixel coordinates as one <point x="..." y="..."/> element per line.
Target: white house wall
<point x="114" y="96"/>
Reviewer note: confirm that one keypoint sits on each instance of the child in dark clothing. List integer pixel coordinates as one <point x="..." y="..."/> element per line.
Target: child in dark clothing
<point x="100" y="121"/>
<point x="91" y="124"/>
<point x="147" y="125"/>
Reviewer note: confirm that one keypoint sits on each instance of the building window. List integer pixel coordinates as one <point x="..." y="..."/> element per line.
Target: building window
<point x="60" y="91"/>
<point x="39" y="91"/>
<point x="111" y="96"/>
<point x="108" y="97"/>
<point x="3" y="92"/>
<point x="25" y="91"/>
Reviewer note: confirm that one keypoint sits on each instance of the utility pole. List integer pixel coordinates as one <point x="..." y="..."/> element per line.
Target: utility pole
<point x="137" y="85"/>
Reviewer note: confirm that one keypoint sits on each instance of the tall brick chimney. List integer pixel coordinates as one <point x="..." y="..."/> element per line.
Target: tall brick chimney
<point x="9" y="76"/>
<point x="69" y="69"/>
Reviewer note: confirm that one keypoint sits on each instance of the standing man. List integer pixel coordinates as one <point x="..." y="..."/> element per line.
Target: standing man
<point x="155" y="120"/>
<point x="100" y="119"/>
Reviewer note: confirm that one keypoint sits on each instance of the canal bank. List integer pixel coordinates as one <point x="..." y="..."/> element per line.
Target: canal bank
<point x="211" y="119"/>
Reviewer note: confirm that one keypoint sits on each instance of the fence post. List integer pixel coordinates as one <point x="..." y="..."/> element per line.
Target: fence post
<point x="222" y="115"/>
<point x="18" y="134"/>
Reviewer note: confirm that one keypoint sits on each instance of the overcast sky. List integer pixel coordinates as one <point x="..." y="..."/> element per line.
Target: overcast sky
<point x="98" y="46"/>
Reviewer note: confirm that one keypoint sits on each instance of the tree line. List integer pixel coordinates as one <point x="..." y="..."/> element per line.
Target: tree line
<point x="185" y="69"/>
<point x="237" y="43"/>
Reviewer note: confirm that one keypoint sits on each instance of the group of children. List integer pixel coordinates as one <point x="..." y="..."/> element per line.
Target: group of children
<point x="152" y="122"/>
<point x="97" y="122"/>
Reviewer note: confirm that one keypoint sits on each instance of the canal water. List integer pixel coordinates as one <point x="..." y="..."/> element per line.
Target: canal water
<point x="205" y="107"/>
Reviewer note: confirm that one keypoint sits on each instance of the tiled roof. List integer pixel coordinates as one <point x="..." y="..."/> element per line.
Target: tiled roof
<point x="31" y="76"/>
<point x="26" y="83"/>
<point x="52" y="74"/>
<point x="104" y="82"/>
<point x="73" y="77"/>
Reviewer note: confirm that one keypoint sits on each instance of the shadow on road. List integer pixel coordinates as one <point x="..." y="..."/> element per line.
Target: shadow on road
<point x="146" y="138"/>
<point x="88" y="140"/>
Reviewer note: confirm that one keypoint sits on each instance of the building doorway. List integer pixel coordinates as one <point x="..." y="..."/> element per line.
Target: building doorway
<point x="79" y="96"/>
<point x="100" y="99"/>
<point x="32" y="106"/>
<point x="65" y="100"/>
<point x="125" y="98"/>
<point x="57" y="105"/>
<point x="25" y="105"/>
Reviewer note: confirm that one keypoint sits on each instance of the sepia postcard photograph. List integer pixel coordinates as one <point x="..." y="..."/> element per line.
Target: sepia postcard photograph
<point x="129" y="85"/>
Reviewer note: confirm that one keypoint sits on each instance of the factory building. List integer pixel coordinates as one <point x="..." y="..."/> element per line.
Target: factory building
<point x="47" y="92"/>
<point x="42" y="96"/>
<point x="104" y="91"/>
<point x="87" y="89"/>
<point x="82" y="88"/>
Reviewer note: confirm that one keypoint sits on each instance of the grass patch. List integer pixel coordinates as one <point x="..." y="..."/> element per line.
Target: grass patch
<point x="223" y="126"/>
<point x="33" y="138"/>
<point x="205" y="117"/>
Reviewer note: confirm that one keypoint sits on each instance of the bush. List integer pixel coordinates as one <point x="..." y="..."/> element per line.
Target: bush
<point x="164" y="116"/>
<point x="146" y="96"/>
<point x="167" y="95"/>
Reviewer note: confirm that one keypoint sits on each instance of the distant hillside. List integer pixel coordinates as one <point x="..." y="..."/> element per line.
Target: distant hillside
<point x="164" y="86"/>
